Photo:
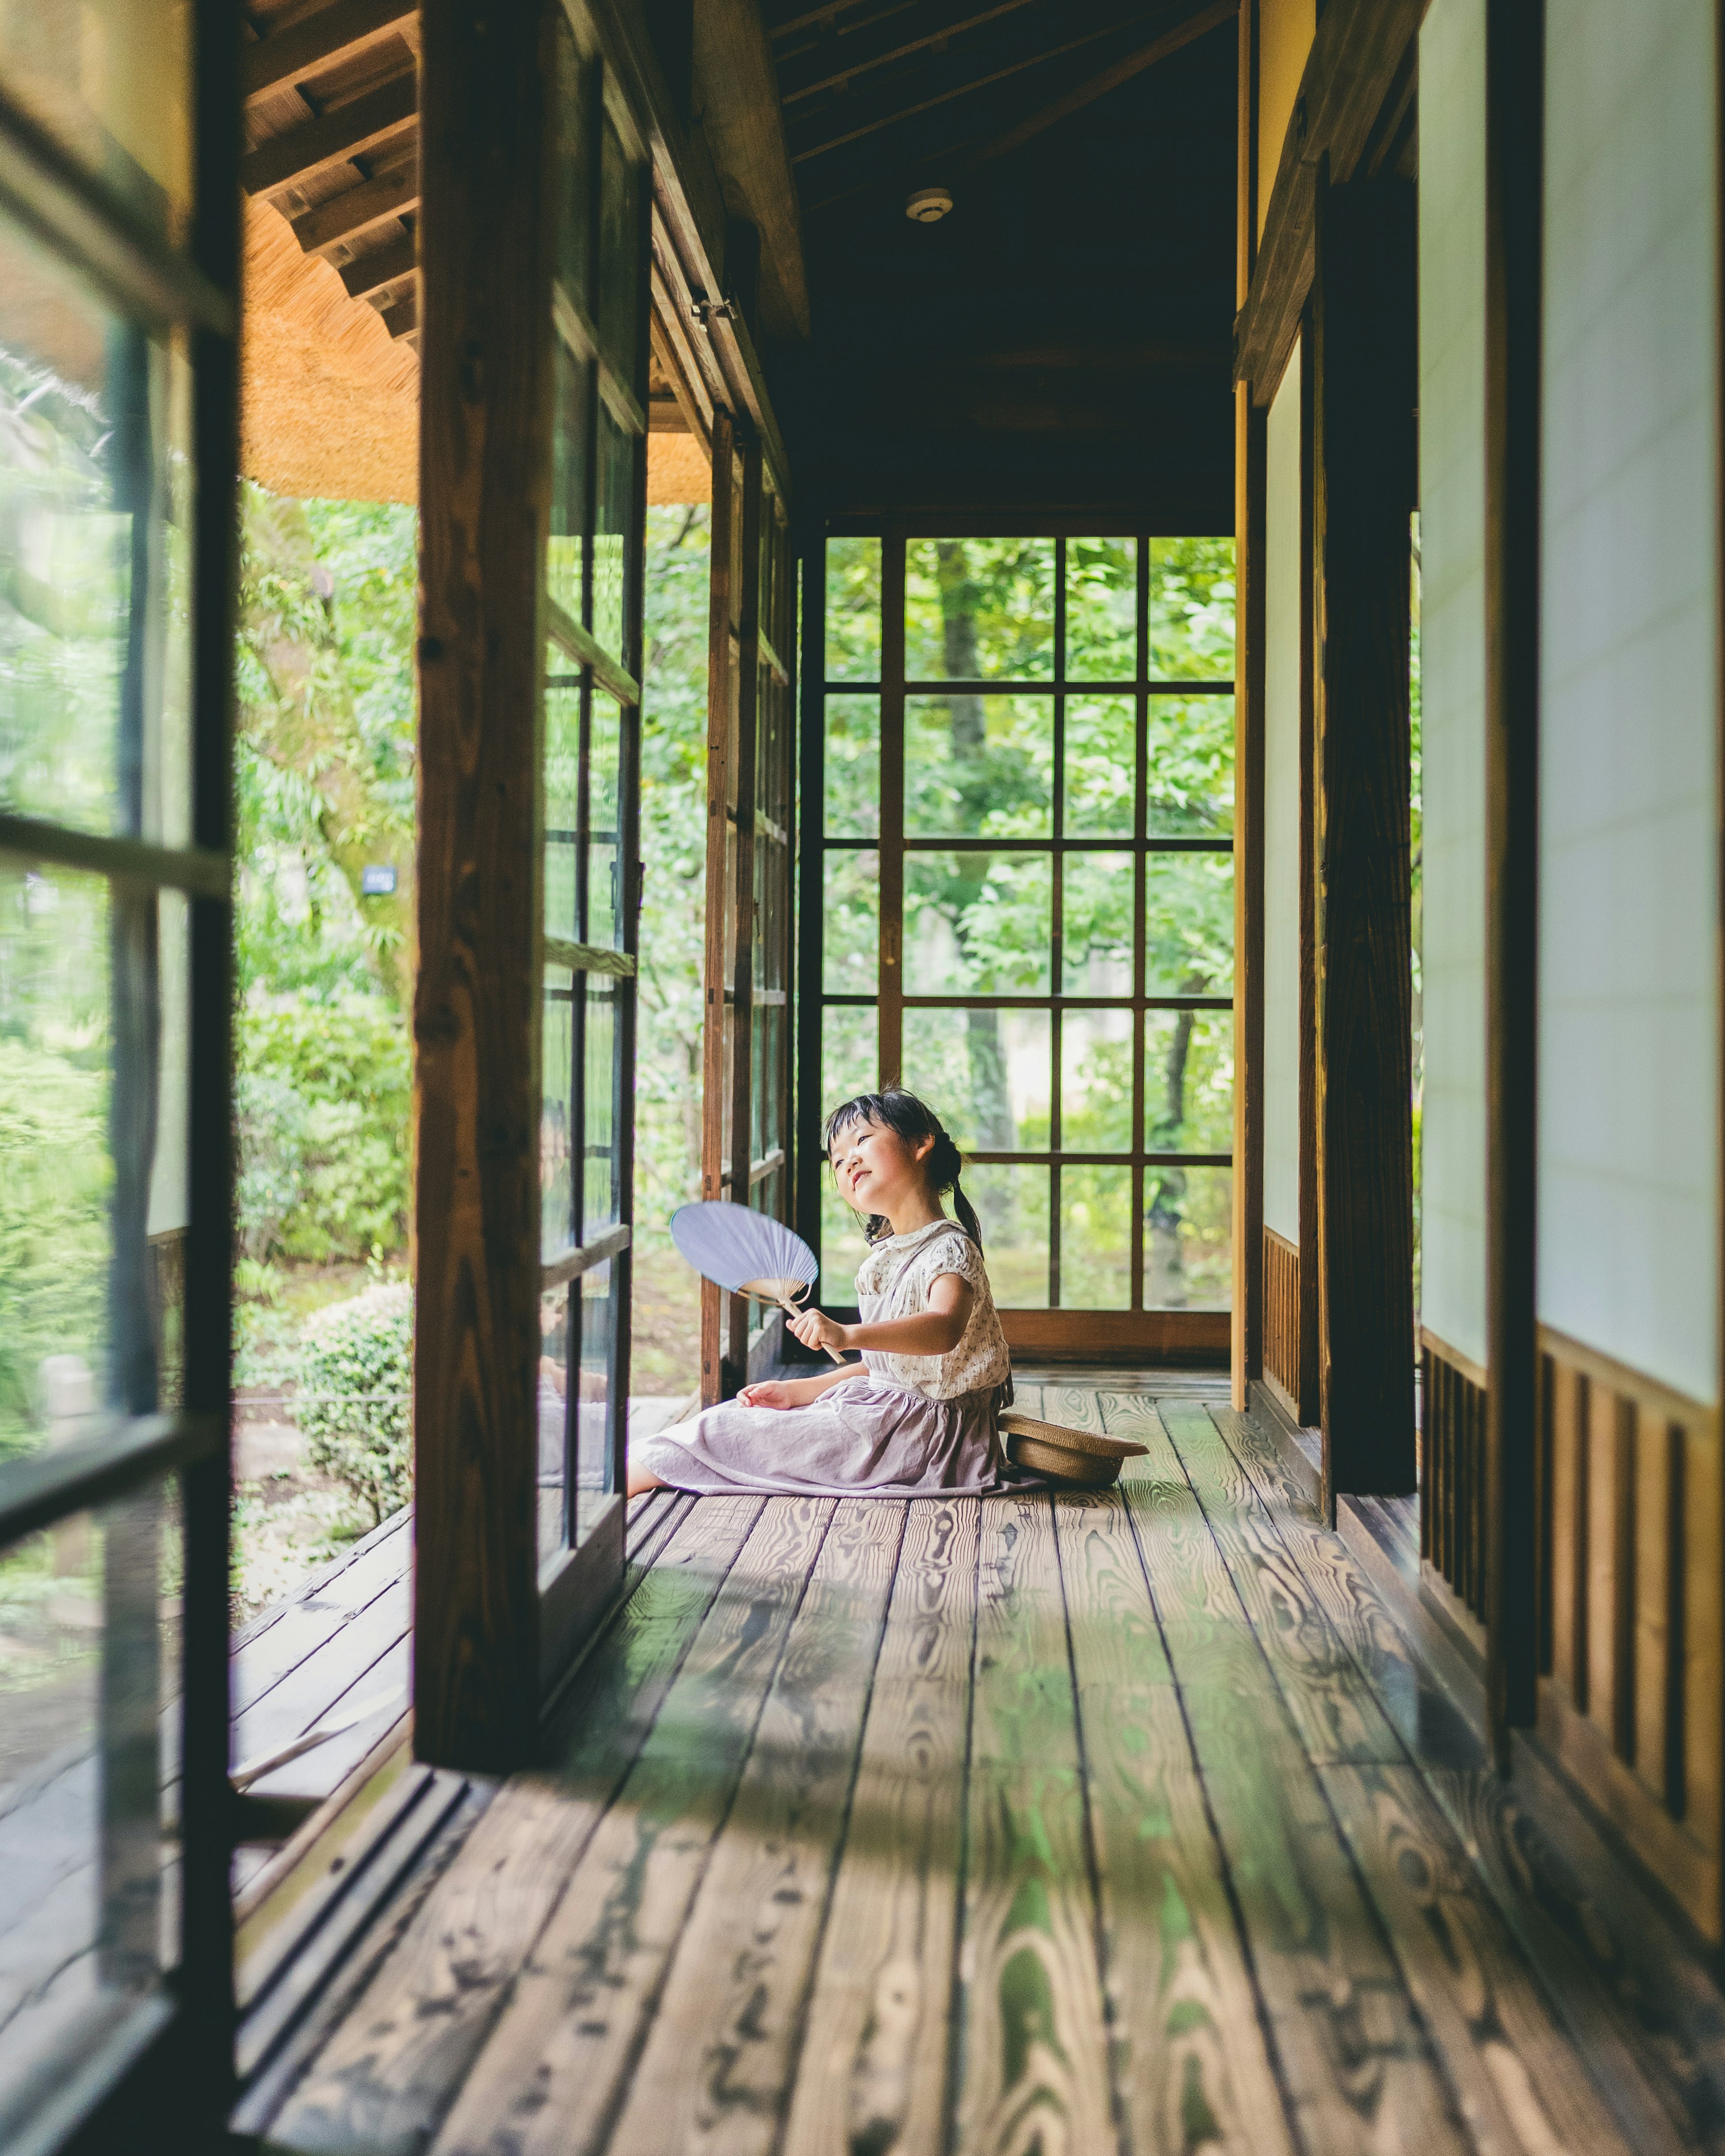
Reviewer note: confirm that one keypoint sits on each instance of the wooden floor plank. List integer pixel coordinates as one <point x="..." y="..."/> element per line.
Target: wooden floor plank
<point x="556" y="2069"/>
<point x="872" y="2070"/>
<point x="1357" y="2074"/>
<point x="1416" y="1705"/>
<point x="1033" y="2068"/>
<point x="715" y="2074"/>
<point x="1191" y="2069"/>
<point x="1334" y="1708"/>
<point x="391" y="2069"/>
<point x="1512" y="2070"/>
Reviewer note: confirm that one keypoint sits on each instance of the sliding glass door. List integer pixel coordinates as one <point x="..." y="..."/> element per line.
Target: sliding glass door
<point x="1027" y="904"/>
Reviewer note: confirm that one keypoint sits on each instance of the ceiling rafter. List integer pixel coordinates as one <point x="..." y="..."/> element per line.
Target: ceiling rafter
<point x="346" y="218"/>
<point x="333" y="36"/>
<point x="841" y="70"/>
<point x="380" y="115"/>
<point x="873" y="126"/>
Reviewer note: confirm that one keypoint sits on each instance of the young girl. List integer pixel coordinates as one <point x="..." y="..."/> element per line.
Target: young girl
<point x="917" y="1413"/>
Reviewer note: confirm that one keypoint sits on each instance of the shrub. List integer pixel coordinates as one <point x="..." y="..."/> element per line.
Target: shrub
<point x="355" y="1370"/>
<point x="321" y="1115"/>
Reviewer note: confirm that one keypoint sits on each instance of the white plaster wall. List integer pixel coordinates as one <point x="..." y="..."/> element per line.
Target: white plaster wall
<point x="1628" y="1024"/>
<point x="1281" y="807"/>
<point x="1452" y="655"/>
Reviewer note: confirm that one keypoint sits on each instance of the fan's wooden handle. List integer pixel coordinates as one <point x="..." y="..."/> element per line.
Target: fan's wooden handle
<point x="785" y="1304"/>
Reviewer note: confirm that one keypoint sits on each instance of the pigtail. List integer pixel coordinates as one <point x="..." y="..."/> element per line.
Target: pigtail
<point x="966" y="1214"/>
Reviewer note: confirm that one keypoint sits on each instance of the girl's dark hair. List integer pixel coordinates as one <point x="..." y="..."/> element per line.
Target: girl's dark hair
<point x="912" y="1120"/>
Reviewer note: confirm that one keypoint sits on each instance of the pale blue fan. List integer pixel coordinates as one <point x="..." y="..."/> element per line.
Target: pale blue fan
<point x="747" y="1252"/>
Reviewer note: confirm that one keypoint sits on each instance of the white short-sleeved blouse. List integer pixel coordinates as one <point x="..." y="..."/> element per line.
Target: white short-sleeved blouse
<point x="893" y="1280"/>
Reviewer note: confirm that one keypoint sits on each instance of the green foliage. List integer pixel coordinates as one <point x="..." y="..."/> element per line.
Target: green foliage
<point x="54" y="1183"/>
<point x="356" y="1374"/>
<point x="322" y="1093"/>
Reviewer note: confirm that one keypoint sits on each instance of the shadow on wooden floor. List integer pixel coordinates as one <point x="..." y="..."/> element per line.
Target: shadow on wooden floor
<point x="1027" y="1823"/>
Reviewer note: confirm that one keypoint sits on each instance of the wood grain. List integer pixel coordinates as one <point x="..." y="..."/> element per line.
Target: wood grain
<point x="716" y="2072"/>
<point x="872" y="2071"/>
<point x="1189" y="2059"/>
<point x="1514" y="2076"/>
<point x="393" y="2066"/>
<point x="556" y="2069"/>
<point x="1332" y="1704"/>
<point x="1032" y="2066"/>
<point x="1355" y="2070"/>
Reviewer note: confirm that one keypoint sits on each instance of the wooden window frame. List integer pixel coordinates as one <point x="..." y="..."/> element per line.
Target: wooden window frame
<point x="182" y="2025"/>
<point x="1197" y="1336"/>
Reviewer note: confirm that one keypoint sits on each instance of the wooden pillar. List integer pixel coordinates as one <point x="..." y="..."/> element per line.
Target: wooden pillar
<point x="486" y="467"/>
<point x="1364" y="484"/>
<point x="721" y="664"/>
<point x="1246" y="1358"/>
<point x="747" y="723"/>
<point x="808" y="797"/>
<point x="1308" y="1391"/>
<point x="1515" y="62"/>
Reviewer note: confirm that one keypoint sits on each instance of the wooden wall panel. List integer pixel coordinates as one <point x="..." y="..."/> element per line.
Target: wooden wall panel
<point x="1281" y="1318"/>
<point x="1630" y="1699"/>
<point x="1452" y="1494"/>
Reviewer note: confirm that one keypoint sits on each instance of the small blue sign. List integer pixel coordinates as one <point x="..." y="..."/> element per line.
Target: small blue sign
<point x="376" y="880"/>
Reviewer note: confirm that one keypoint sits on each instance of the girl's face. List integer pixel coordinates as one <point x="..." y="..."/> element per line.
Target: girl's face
<point x="876" y="1169"/>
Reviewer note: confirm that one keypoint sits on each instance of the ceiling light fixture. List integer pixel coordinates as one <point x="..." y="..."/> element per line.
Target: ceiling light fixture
<point x="928" y="205"/>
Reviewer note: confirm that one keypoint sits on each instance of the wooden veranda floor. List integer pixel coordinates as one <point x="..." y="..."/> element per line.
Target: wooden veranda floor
<point x="1027" y="1824"/>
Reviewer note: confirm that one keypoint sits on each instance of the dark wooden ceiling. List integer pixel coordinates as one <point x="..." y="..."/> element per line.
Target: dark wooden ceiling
<point x="1060" y="343"/>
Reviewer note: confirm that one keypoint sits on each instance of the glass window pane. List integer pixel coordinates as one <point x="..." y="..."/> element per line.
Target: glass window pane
<point x="553" y="1418"/>
<point x="562" y="773"/>
<point x="57" y="1178"/>
<point x="1101" y="609"/>
<point x="1188" y="925"/>
<point x="976" y="924"/>
<point x="985" y="1073"/>
<point x="1097" y="934"/>
<point x="1095" y="1081"/>
<point x="851" y="794"/>
<point x="850" y="934"/>
<point x="979" y="767"/>
<point x="1190" y="753"/>
<point x="1192" y="609"/>
<point x="556" y="1117"/>
<point x="596" y="1379"/>
<point x="1012" y="1207"/>
<point x="1095" y="1238"/>
<point x="93" y="667"/>
<point x="620" y="254"/>
<point x="1101" y="765"/>
<point x="850" y="1064"/>
<point x="1189" y="1081"/>
<point x="577" y="80"/>
<point x="89" y="1617"/>
<point x="599" y="1178"/>
<point x="571" y="394"/>
<point x="979" y="609"/>
<point x="110" y="81"/>
<point x="853" y="609"/>
<point x="616" y="505"/>
<point x="1189" y="1238"/>
<point x="604" y="917"/>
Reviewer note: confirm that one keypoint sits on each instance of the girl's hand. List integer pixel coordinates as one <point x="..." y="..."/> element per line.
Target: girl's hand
<point x="815" y="1329"/>
<point x="775" y="1392"/>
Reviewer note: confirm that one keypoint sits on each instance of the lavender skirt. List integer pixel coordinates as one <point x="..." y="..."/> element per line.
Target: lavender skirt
<point x="864" y="1438"/>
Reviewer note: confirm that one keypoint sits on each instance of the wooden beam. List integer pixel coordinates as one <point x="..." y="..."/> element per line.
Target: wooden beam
<point x="326" y="39"/>
<point x="1098" y="85"/>
<point x="346" y="217"/>
<point x="383" y="265"/>
<point x="1246" y="1339"/>
<point x="841" y="64"/>
<point x="722" y="570"/>
<point x="1364" y="371"/>
<point x="402" y="318"/>
<point x="744" y="1016"/>
<point x="744" y="127"/>
<point x="1307" y="1401"/>
<point x="1355" y="65"/>
<point x="485" y="418"/>
<point x="1515" y="61"/>
<point x="383" y="115"/>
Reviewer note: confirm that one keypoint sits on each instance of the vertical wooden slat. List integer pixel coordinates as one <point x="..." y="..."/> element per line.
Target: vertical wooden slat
<point x="892" y="807"/>
<point x="486" y="423"/>
<point x="1601" y="1501"/>
<point x="1545" y="1503"/>
<point x="721" y="569"/>
<point x="1580" y="1539"/>
<point x="1651" y="1616"/>
<point x="1515" y="60"/>
<point x="747" y="576"/>
<point x="1308" y="1388"/>
<point x="1624" y="1554"/>
<point x="1703" y="1625"/>
<point x="1567" y="1625"/>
